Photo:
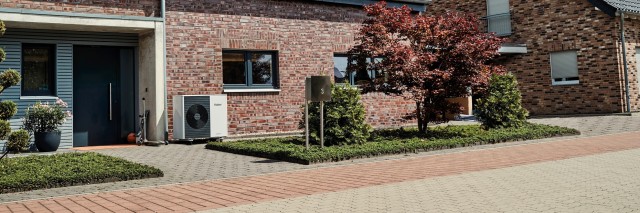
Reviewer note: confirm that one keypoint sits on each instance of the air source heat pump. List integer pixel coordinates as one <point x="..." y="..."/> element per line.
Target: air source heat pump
<point x="199" y="116"/>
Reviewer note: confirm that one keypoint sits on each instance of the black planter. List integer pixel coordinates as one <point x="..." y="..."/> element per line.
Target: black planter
<point x="47" y="141"/>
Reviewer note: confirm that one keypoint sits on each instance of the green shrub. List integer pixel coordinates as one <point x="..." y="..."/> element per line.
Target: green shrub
<point x="3" y="55"/>
<point x="2" y="28"/>
<point x="345" y="118"/>
<point x="7" y="109"/>
<point x="18" y="141"/>
<point x="501" y="106"/>
<point x="9" y="78"/>
<point x="45" y="117"/>
<point x="396" y="141"/>
<point x="5" y="129"/>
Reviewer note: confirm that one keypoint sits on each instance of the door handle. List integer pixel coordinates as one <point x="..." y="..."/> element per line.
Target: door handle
<point x="110" y="104"/>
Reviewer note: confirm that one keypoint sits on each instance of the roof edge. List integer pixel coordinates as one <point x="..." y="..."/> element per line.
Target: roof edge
<point x="605" y="7"/>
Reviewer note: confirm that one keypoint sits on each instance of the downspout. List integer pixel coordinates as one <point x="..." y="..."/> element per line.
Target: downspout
<point x="624" y="61"/>
<point x="163" y="11"/>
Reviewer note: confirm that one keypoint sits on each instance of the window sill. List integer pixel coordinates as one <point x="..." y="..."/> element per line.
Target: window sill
<point x="38" y="97"/>
<point x="249" y="90"/>
<point x="561" y="83"/>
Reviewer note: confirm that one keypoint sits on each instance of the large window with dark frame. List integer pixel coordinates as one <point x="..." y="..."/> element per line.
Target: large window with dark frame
<point x="249" y="69"/>
<point x="38" y="70"/>
<point x="341" y="75"/>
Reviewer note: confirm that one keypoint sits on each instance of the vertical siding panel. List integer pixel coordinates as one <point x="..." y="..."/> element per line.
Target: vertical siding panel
<point x="64" y="87"/>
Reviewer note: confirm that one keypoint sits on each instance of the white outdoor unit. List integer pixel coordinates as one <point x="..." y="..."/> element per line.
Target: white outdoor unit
<point x="199" y="116"/>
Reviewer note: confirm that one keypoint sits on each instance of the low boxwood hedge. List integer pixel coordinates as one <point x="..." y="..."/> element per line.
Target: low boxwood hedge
<point x="389" y="141"/>
<point x="69" y="169"/>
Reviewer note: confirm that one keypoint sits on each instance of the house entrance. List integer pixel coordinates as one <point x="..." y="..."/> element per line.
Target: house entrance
<point x="103" y="95"/>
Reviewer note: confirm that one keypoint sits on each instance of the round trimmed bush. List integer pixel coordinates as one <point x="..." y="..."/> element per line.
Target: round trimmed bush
<point x="5" y="129"/>
<point x="9" y="78"/>
<point x="7" y="109"/>
<point x="3" y="55"/>
<point x="18" y="140"/>
<point x="345" y="118"/>
<point x="501" y="106"/>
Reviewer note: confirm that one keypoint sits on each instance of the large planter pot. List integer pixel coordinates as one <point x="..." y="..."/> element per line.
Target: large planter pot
<point x="47" y="141"/>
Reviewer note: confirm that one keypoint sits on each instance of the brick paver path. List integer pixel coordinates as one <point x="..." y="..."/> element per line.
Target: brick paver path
<point x="596" y="183"/>
<point x="237" y="191"/>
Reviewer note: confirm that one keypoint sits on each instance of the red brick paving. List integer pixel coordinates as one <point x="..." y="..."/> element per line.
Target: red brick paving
<point x="244" y="190"/>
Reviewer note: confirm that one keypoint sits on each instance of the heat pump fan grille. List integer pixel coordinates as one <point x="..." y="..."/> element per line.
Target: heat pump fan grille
<point x="197" y="117"/>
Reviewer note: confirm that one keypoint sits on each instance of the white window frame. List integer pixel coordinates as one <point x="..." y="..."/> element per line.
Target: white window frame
<point x="564" y="82"/>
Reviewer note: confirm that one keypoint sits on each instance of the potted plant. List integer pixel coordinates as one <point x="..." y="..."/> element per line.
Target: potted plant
<point x="43" y="120"/>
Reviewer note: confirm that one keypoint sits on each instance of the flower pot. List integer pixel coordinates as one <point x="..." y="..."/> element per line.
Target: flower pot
<point x="47" y="141"/>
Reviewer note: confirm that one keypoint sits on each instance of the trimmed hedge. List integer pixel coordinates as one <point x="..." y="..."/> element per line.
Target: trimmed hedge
<point x="386" y="142"/>
<point x="69" y="169"/>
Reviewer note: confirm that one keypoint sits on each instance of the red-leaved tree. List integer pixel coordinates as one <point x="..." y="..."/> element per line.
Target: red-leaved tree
<point x="425" y="58"/>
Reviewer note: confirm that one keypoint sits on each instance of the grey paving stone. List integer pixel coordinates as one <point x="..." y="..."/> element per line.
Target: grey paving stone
<point x="189" y="163"/>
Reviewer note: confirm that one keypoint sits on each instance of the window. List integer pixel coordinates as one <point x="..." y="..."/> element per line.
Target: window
<point x="38" y="70"/>
<point x="564" y="68"/>
<point x="498" y="17"/>
<point x="340" y="63"/>
<point x="249" y="69"/>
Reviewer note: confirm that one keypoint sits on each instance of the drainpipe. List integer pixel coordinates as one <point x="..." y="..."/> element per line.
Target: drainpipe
<point x="624" y="61"/>
<point x="164" y="74"/>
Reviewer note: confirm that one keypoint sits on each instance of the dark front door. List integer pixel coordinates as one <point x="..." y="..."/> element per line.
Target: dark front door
<point x="96" y="95"/>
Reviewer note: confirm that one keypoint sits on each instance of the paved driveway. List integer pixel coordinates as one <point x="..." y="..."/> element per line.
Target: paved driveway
<point x="596" y="183"/>
<point x="596" y="173"/>
<point x="185" y="163"/>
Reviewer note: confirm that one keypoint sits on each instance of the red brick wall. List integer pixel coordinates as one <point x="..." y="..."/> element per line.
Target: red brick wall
<point x="305" y="35"/>
<point x="546" y="26"/>
<point x="632" y="36"/>
<point x="149" y="8"/>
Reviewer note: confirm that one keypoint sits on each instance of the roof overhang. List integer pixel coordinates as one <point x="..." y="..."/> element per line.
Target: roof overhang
<point x="415" y="5"/>
<point x="614" y="7"/>
<point x="512" y="49"/>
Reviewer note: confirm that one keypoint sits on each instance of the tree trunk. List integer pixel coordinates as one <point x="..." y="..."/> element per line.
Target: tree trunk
<point x="419" y="116"/>
<point x="425" y="116"/>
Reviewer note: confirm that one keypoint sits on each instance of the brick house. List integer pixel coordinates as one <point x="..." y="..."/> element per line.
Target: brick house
<point x="567" y="55"/>
<point x="104" y="57"/>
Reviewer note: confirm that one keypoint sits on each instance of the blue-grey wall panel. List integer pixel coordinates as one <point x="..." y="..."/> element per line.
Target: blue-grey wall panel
<point x="64" y="41"/>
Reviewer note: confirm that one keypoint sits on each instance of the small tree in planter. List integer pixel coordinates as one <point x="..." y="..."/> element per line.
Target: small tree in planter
<point x="43" y="121"/>
<point x="15" y="140"/>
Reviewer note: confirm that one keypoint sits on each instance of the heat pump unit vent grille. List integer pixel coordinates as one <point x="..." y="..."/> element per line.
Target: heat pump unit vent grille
<point x="197" y="110"/>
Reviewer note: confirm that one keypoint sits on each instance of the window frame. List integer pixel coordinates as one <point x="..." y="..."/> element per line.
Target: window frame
<point x="248" y="85"/>
<point x="495" y="16"/>
<point x="351" y="78"/>
<point x="566" y="81"/>
<point x="53" y="70"/>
